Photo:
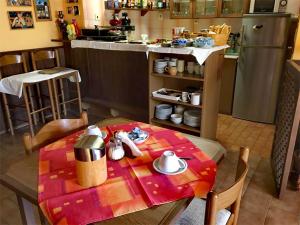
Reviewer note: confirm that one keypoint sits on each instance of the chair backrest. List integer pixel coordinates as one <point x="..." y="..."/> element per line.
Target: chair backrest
<point x="12" y="59"/>
<point x="230" y="197"/>
<point x="53" y="131"/>
<point x="44" y="55"/>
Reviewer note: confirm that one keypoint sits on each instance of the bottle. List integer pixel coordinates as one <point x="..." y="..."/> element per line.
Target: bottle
<point x="124" y="3"/>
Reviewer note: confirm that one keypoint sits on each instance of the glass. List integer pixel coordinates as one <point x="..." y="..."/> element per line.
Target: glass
<point x="230" y="7"/>
<point x="205" y="8"/>
<point x="181" y="8"/>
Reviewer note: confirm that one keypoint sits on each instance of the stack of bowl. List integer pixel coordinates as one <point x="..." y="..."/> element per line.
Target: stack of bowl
<point x="192" y="118"/>
<point x="163" y="111"/>
<point x="160" y="65"/>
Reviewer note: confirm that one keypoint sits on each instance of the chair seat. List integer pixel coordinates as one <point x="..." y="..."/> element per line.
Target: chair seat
<point x="195" y="212"/>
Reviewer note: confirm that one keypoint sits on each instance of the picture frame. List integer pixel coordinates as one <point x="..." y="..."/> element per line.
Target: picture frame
<point x="42" y="10"/>
<point x="76" y="10"/>
<point x="72" y="1"/>
<point x="70" y="10"/>
<point x="19" y="3"/>
<point x="20" y="20"/>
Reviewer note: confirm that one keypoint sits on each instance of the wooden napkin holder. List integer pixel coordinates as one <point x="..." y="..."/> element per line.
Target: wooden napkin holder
<point x="90" y="155"/>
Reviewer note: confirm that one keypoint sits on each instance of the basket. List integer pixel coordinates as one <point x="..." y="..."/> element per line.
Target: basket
<point x="220" y="39"/>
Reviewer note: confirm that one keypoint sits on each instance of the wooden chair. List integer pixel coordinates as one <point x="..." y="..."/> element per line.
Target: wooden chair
<point x="214" y="210"/>
<point x="9" y="60"/>
<point x="53" y="131"/>
<point x="59" y="94"/>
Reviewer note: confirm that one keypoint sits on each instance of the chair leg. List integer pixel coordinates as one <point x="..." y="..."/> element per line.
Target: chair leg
<point x="61" y="84"/>
<point x="79" y="95"/>
<point x="40" y="101"/>
<point x="8" y="116"/>
<point x="28" y="110"/>
<point x="56" y="98"/>
<point x="51" y="99"/>
<point x="31" y="103"/>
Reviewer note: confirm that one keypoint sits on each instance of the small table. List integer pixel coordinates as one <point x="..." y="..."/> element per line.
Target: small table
<point x="21" y="177"/>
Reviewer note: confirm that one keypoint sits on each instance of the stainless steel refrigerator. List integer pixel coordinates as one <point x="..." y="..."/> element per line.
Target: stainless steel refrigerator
<point x="261" y="60"/>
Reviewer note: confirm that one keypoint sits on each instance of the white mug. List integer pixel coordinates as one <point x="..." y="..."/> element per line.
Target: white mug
<point x="197" y="69"/>
<point x="94" y="130"/>
<point x="171" y="63"/>
<point x="180" y="66"/>
<point x="169" y="162"/>
<point x="185" y="97"/>
<point x="190" y="69"/>
<point x="195" y="98"/>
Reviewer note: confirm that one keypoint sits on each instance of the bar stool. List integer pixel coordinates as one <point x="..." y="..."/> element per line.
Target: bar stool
<point x="37" y="57"/>
<point x="57" y="82"/>
<point x="9" y="60"/>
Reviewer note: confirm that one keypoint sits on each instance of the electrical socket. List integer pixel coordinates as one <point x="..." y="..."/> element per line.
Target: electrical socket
<point x="161" y="16"/>
<point x="97" y="18"/>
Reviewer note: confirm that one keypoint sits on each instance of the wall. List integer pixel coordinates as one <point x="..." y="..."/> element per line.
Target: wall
<point x="38" y="37"/>
<point x="296" y="54"/>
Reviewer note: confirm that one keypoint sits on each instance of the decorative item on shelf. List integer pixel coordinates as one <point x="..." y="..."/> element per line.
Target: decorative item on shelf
<point x="204" y="42"/>
<point x="115" y="21"/>
<point x="179" y="109"/>
<point x="70" y="10"/>
<point x="90" y="155"/>
<point x="190" y="67"/>
<point x="20" y="19"/>
<point x="165" y="93"/>
<point x="42" y="10"/>
<point x="125" y="20"/>
<point x="71" y="32"/>
<point x="19" y="2"/>
<point x="176" y="118"/>
<point x="179" y="43"/>
<point x="180" y="66"/>
<point x="77" y="30"/>
<point x="116" y="151"/>
<point x="62" y="25"/>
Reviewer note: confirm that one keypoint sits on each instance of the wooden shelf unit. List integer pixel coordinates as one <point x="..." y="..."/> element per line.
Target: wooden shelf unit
<point x="179" y="126"/>
<point x="210" y="85"/>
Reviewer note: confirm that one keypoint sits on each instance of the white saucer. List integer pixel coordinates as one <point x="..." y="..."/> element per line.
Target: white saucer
<point x="104" y="135"/>
<point x="183" y="167"/>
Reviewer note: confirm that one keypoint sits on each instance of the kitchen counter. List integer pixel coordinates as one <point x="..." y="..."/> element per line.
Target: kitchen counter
<point x="116" y="75"/>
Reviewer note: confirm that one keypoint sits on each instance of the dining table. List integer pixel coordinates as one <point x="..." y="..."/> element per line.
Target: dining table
<point x="22" y="178"/>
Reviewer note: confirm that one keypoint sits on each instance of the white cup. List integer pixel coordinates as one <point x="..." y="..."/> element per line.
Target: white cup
<point x="197" y="69"/>
<point x="195" y="98"/>
<point x="169" y="162"/>
<point x="94" y="130"/>
<point x="190" y="69"/>
<point x="180" y="66"/>
<point x="179" y="109"/>
<point x="171" y="63"/>
<point x="185" y="97"/>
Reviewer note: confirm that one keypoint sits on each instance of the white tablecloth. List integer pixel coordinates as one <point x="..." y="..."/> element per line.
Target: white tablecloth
<point x="13" y="85"/>
<point x="201" y="54"/>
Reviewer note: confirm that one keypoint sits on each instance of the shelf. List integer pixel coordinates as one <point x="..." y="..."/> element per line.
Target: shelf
<point x="176" y="102"/>
<point x="181" y="76"/>
<point x="179" y="126"/>
<point x="143" y="10"/>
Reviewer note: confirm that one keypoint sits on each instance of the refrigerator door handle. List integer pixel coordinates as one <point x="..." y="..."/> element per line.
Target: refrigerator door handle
<point x="257" y="27"/>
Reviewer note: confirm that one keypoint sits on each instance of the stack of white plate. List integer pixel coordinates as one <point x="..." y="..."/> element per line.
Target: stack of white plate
<point x="163" y="111"/>
<point x="160" y="65"/>
<point x="192" y="118"/>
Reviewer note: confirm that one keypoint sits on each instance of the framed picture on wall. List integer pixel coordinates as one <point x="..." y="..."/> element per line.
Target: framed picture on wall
<point x="76" y="10"/>
<point x="20" y="19"/>
<point x="70" y="10"/>
<point x="72" y="1"/>
<point x="42" y="10"/>
<point x="19" y="3"/>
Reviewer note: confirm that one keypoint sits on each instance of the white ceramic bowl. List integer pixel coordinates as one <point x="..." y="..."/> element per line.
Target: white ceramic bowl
<point x="176" y="118"/>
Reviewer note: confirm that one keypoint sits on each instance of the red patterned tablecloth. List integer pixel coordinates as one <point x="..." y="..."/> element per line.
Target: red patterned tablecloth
<point x="132" y="184"/>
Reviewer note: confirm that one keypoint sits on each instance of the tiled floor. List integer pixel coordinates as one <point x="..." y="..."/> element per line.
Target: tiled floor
<point x="259" y="206"/>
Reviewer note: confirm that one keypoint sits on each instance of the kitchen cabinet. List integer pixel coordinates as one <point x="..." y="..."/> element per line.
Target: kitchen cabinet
<point x="208" y="8"/>
<point x="205" y="8"/>
<point x="181" y="9"/>
<point x="233" y="8"/>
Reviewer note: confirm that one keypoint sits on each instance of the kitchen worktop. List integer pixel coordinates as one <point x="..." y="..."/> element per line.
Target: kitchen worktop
<point x="201" y="54"/>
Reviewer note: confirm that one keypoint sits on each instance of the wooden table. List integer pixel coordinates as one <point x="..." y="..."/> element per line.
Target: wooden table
<point x="21" y="177"/>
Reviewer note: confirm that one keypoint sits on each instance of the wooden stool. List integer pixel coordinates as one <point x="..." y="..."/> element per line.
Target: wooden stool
<point x="38" y="59"/>
<point x="58" y="90"/>
<point x="8" y="60"/>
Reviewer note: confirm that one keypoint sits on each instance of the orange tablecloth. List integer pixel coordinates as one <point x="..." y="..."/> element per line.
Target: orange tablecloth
<point x="132" y="184"/>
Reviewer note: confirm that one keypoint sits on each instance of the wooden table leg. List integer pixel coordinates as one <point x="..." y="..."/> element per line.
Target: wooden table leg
<point x="28" y="109"/>
<point x="61" y="84"/>
<point x="79" y="95"/>
<point x="7" y="112"/>
<point x="56" y="98"/>
<point x="51" y="99"/>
